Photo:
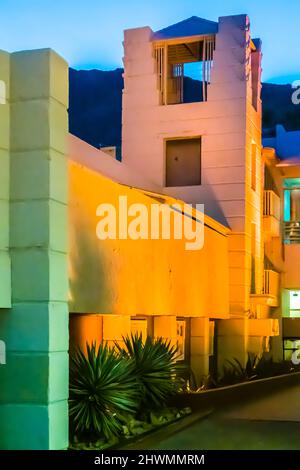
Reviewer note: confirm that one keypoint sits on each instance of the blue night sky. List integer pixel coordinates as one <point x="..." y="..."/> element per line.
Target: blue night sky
<point x="88" y="33"/>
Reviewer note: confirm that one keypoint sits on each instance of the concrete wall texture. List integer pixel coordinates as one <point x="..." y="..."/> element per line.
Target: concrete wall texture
<point x="34" y="381"/>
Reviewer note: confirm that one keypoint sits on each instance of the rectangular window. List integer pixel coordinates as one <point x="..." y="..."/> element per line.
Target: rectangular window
<point x="253" y="167"/>
<point x="290" y="346"/>
<point x="287" y="205"/>
<point x="294" y="299"/>
<point x="292" y="199"/>
<point x="291" y="214"/>
<point x="183" y="162"/>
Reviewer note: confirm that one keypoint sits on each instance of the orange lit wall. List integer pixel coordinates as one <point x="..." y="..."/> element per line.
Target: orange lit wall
<point x="85" y="329"/>
<point x="139" y="277"/>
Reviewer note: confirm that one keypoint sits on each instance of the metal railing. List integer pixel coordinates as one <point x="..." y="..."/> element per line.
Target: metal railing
<point x="271" y="204"/>
<point x="271" y="282"/>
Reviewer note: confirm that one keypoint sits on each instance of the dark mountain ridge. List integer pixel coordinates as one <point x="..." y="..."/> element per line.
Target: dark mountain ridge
<point x="95" y="106"/>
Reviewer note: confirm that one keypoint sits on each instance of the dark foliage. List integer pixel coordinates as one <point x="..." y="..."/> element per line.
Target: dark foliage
<point x="257" y="367"/>
<point x="102" y="387"/>
<point x="155" y="368"/>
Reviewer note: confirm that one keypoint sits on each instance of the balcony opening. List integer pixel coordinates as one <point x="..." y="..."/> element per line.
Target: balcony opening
<point x="183" y="162"/>
<point x="184" y="70"/>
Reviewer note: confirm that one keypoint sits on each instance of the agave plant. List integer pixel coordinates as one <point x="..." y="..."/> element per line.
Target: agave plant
<point x="102" y="387"/>
<point x="155" y="368"/>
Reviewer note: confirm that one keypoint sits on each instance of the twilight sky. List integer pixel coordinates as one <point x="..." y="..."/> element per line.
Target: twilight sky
<point x="88" y="33"/>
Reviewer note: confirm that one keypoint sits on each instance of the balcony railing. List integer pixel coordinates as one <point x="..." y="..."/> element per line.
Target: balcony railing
<point x="271" y="212"/>
<point x="271" y="283"/>
<point x="292" y="232"/>
<point x="271" y="204"/>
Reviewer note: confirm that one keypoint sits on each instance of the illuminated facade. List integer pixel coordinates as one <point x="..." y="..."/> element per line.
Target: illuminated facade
<point x="220" y="128"/>
<point x="198" y="141"/>
<point x="191" y="134"/>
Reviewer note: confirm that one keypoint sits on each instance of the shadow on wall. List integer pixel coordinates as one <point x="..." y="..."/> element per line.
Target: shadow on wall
<point x="89" y="289"/>
<point x="212" y="206"/>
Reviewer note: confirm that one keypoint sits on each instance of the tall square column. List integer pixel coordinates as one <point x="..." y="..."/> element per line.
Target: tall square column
<point x="34" y="381"/>
<point x="5" y="273"/>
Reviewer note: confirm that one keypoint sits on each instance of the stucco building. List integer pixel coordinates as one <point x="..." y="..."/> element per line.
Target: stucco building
<point x="178" y="146"/>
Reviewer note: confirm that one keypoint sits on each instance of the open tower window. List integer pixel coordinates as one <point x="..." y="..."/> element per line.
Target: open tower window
<point x="184" y="70"/>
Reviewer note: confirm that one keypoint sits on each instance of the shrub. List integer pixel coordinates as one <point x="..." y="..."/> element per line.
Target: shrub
<point x="257" y="367"/>
<point x="267" y="367"/>
<point x="233" y="373"/>
<point x="155" y="368"/>
<point x="102" y="387"/>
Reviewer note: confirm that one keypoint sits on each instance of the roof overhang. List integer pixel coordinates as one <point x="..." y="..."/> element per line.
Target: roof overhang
<point x="191" y="28"/>
<point x="181" y="40"/>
